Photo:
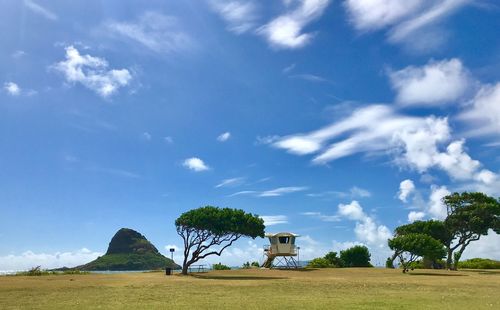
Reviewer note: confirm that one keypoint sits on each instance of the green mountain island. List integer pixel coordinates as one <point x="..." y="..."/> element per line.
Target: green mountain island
<point x="129" y="250"/>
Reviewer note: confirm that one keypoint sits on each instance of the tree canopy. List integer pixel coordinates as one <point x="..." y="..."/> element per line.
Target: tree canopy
<point x="412" y="246"/>
<point x="204" y="228"/>
<point x="470" y="216"/>
<point x="357" y="256"/>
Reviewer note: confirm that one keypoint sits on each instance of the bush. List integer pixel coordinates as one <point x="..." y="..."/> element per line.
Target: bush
<point x="320" y="262"/>
<point x="388" y="263"/>
<point x="479" y="263"/>
<point x="255" y="264"/>
<point x="220" y="266"/>
<point x="334" y="260"/>
<point x="357" y="256"/>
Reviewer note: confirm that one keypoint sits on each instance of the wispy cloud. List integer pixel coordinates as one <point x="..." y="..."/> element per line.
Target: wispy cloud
<point x="280" y="191"/>
<point x="286" y="31"/>
<point x="270" y="220"/>
<point x="232" y="182"/>
<point x="354" y="192"/>
<point x="157" y="32"/>
<point x="40" y="10"/>
<point x="310" y="78"/>
<point x="416" y="142"/>
<point x="195" y="164"/>
<point x="240" y="16"/>
<point x="223" y="137"/>
<point x="411" y="22"/>
<point x="116" y="172"/>
<point x="483" y="112"/>
<point x="92" y="72"/>
<point x="323" y="217"/>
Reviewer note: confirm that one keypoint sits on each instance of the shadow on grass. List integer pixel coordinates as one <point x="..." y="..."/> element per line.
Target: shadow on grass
<point x="228" y="277"/>
<point x="437" y="274"/>
<point x="482" y="271"/>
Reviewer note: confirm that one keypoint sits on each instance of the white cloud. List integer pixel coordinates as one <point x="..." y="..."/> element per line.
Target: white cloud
<point x="30" y="259"/>
<point x="322" y="217"/>
<point x="12" y="88"/>
<point x="366" y="229"/>
<point x="195" y="164"/>
<point x="483" y="113"/>
<point x="413" y="22"/>
<point x="147" y="136"/>
<point x="437" y="209"/>
<point x="155" y="31"/>
<point x="92" y="72"/>
<point x="354" y="192"/>
<point x="433" y="84"/>
<point x="406" y="187"/>
<point x="415" y="216"/>
<point x="286" y="31"/>
<point x="430" y="16"/>
<point x="232" y="182"/>
<point x="224" y="136"/>
<point x="18" y="54"/>
<point x="168" y="139"/>
<point x="280" y="191"/>
<point x="40" y="10"/>
<point x="368" y="15"/>
<point x="240" y="16"/>
<point x="415" y="142"/>
<point x="352" y="211"/>
<point x="270" y="220"/>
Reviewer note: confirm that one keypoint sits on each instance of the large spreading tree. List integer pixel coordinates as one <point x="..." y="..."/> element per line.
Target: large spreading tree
<point x="410" y="247"/>
<point x="210" y="230"/>
<point x="469" y="216"/>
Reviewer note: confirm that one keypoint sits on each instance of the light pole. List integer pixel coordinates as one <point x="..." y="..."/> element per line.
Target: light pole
<point x="172" y="250"/>
<point x="298" y="255"/>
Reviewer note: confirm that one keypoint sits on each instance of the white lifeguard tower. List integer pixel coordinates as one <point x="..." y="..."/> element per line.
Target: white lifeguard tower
<point x="281" y="251"/>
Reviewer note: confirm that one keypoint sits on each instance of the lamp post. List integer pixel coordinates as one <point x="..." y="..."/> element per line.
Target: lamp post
<point x="298" y="255"/>
<point x="172" y="250"/>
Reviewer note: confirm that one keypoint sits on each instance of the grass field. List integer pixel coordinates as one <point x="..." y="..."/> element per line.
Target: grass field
<point x="368" y="288"/>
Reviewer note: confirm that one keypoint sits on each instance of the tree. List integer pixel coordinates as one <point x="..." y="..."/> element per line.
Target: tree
<point x="412" y="246"/>
<point x="433" y="228"/>
<point x="357" y="256"/>
<point x="470" y="216"/>
<point x="204" y="228"/>
<point x="334" y="260"/>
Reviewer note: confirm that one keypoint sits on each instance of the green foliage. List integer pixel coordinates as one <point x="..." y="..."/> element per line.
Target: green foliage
<point x="122" y="261"/>
<point x="222" y="221"/>
<point x="249" y="265"/>
<point x="357" y="256"/>
<point x="433" y="228"/>
<point x="389" y="263"/>
<point x="220" y="266"/>
<point x="207" y="227"/>
<point x="470" y="215"/>
<point x="412" y="246"/>
<point x="334" y="260"/>
<point x="320" y="262"/>
<point x="479" y="263"/>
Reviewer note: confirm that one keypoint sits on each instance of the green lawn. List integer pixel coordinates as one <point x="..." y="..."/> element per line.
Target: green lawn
<point x="368" y="288"/>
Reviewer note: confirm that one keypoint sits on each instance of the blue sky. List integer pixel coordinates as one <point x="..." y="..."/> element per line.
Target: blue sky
<point x="336" y="120"/>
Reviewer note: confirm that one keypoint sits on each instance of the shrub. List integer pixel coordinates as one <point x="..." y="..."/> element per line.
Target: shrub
<point x="388" y="263"/>
<point x="479" y="263"/>
<point x="220" y="266"/>
<point x="357" y="256"/>
<point x="320" y="262"/>
<point x="255" y="264"/>
<point x="334" y="260"/>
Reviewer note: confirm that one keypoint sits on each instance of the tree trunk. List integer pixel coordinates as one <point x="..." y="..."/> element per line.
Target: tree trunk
<point x="457" y="257"/>
<point x="449" y="259"/>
